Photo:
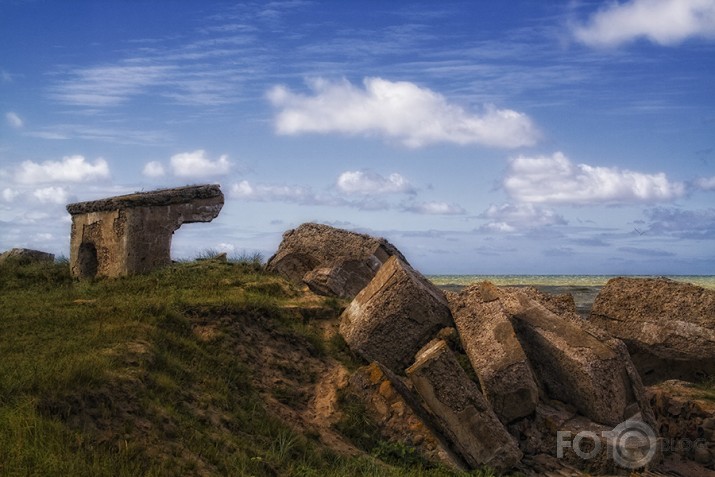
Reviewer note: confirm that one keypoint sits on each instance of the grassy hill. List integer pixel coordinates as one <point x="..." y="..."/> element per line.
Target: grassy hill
<point x="201" y="368"/>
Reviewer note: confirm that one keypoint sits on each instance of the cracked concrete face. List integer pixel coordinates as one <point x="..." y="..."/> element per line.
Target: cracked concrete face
<point x="131" y="234"/>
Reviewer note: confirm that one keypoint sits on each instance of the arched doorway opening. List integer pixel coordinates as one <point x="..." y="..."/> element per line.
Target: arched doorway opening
<point x="87" y="260"/>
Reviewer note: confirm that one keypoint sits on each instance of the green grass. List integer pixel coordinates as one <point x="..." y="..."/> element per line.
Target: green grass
<point x="706" y="389"/>
<point x="109" y="377"/>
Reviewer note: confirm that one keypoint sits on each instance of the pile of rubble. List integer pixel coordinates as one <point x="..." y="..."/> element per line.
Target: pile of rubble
<point x="496" y="376"/>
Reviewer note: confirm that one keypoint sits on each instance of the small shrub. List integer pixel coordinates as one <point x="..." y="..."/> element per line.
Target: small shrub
<point x="252" y="261"/>
<point x="208" y="254"/>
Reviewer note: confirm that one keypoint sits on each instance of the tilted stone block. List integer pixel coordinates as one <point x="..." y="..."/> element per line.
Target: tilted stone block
<point x="394" y="316"/>
<point x="344" y="279"/>
<point x="494" y="351"/>
<point x="573" y="365"/>
<point x="669" y="327"/>
<point x="331" y="261"/>
<point x="460" y="410"/>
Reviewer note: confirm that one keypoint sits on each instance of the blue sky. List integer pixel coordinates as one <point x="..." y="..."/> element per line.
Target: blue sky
<point x="479" y="137"/>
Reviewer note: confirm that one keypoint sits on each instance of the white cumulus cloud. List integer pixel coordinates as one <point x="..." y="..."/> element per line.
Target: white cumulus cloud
<point x="513" y="217"/>
<point x="69" y="169"/>
<point x="665" y="22"/>
<point x="53" y="195"/>
<point x="555" y="179"/>
<point x="196" y="164"/>
<point x="153" y="169"/>
<point x="368" y="182"/>
<point x="14" y="120"/>
<point x="403" y="111"/>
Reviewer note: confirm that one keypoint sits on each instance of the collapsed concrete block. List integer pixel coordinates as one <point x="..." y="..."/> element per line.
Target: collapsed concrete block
<point x="394" y="316"/>
<point x="669" y="327"/>
<point x="494" y="351"/>
<point x="573" y="365"/>
<point x="131" y="234"/>
<point x="331" y="261"/>
<point x="460" y="410"/>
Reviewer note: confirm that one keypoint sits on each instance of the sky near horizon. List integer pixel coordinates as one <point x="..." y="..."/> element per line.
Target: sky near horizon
<point x="490" y="137"/>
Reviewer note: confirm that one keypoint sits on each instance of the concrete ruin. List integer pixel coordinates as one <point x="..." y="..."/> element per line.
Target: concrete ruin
<point x="131" y="234"/>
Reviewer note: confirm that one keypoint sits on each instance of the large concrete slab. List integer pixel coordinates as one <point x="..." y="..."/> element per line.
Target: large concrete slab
<point x="397" y="313"/>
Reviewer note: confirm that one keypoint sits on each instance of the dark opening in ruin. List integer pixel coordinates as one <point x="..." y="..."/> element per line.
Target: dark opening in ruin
<point x="87" y="260"/>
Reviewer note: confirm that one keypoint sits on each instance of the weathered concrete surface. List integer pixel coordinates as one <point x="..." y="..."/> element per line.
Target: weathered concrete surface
<point x="461" y="411"/>
<point x="131" y="234"/>
<point x="354" y="257"/>
<point x="494" y="351"/>
<point x="563" y="304"/>
<point x="344" y="279"/>
<point x="573" y="365"/>
<point x="668" y="326"/>
<point x="397" y="313"/>
<point x="555" y="425"/>
<point x="685" y="415"/>
<point x="26" y="256"/>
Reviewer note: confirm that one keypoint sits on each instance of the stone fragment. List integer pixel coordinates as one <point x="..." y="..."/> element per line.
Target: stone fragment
<point x="399" y="414"/>
<point x="25" y="256"/>
<point x="494" y="351"/>
<point x="131" y="234"/>
<point x="461" y="412"/>
<point x="668" y="326"/>
<point x="394" y="316"/>
<point x="341" y="262"/>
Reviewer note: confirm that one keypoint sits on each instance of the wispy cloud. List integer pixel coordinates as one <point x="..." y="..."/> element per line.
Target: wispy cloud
<point x="69" y="169"/>
<point x="705" y="183"/>
<point x="647" y="252"/>
<point x="684" y="224"/>
<point x="109" y="85"/>
<point x="14" y="120"/>
<point x="277" y="193"/>
<point x="435" y="208"/>
<point x="369" y="182"/>
<point x="556" y="180"/>
<point x="665" y="22"/>
<point x="359" y="198"/>
<point x="403" y="111"/>
<point x="111" y="134"/>
<point x="301" y="195"/>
